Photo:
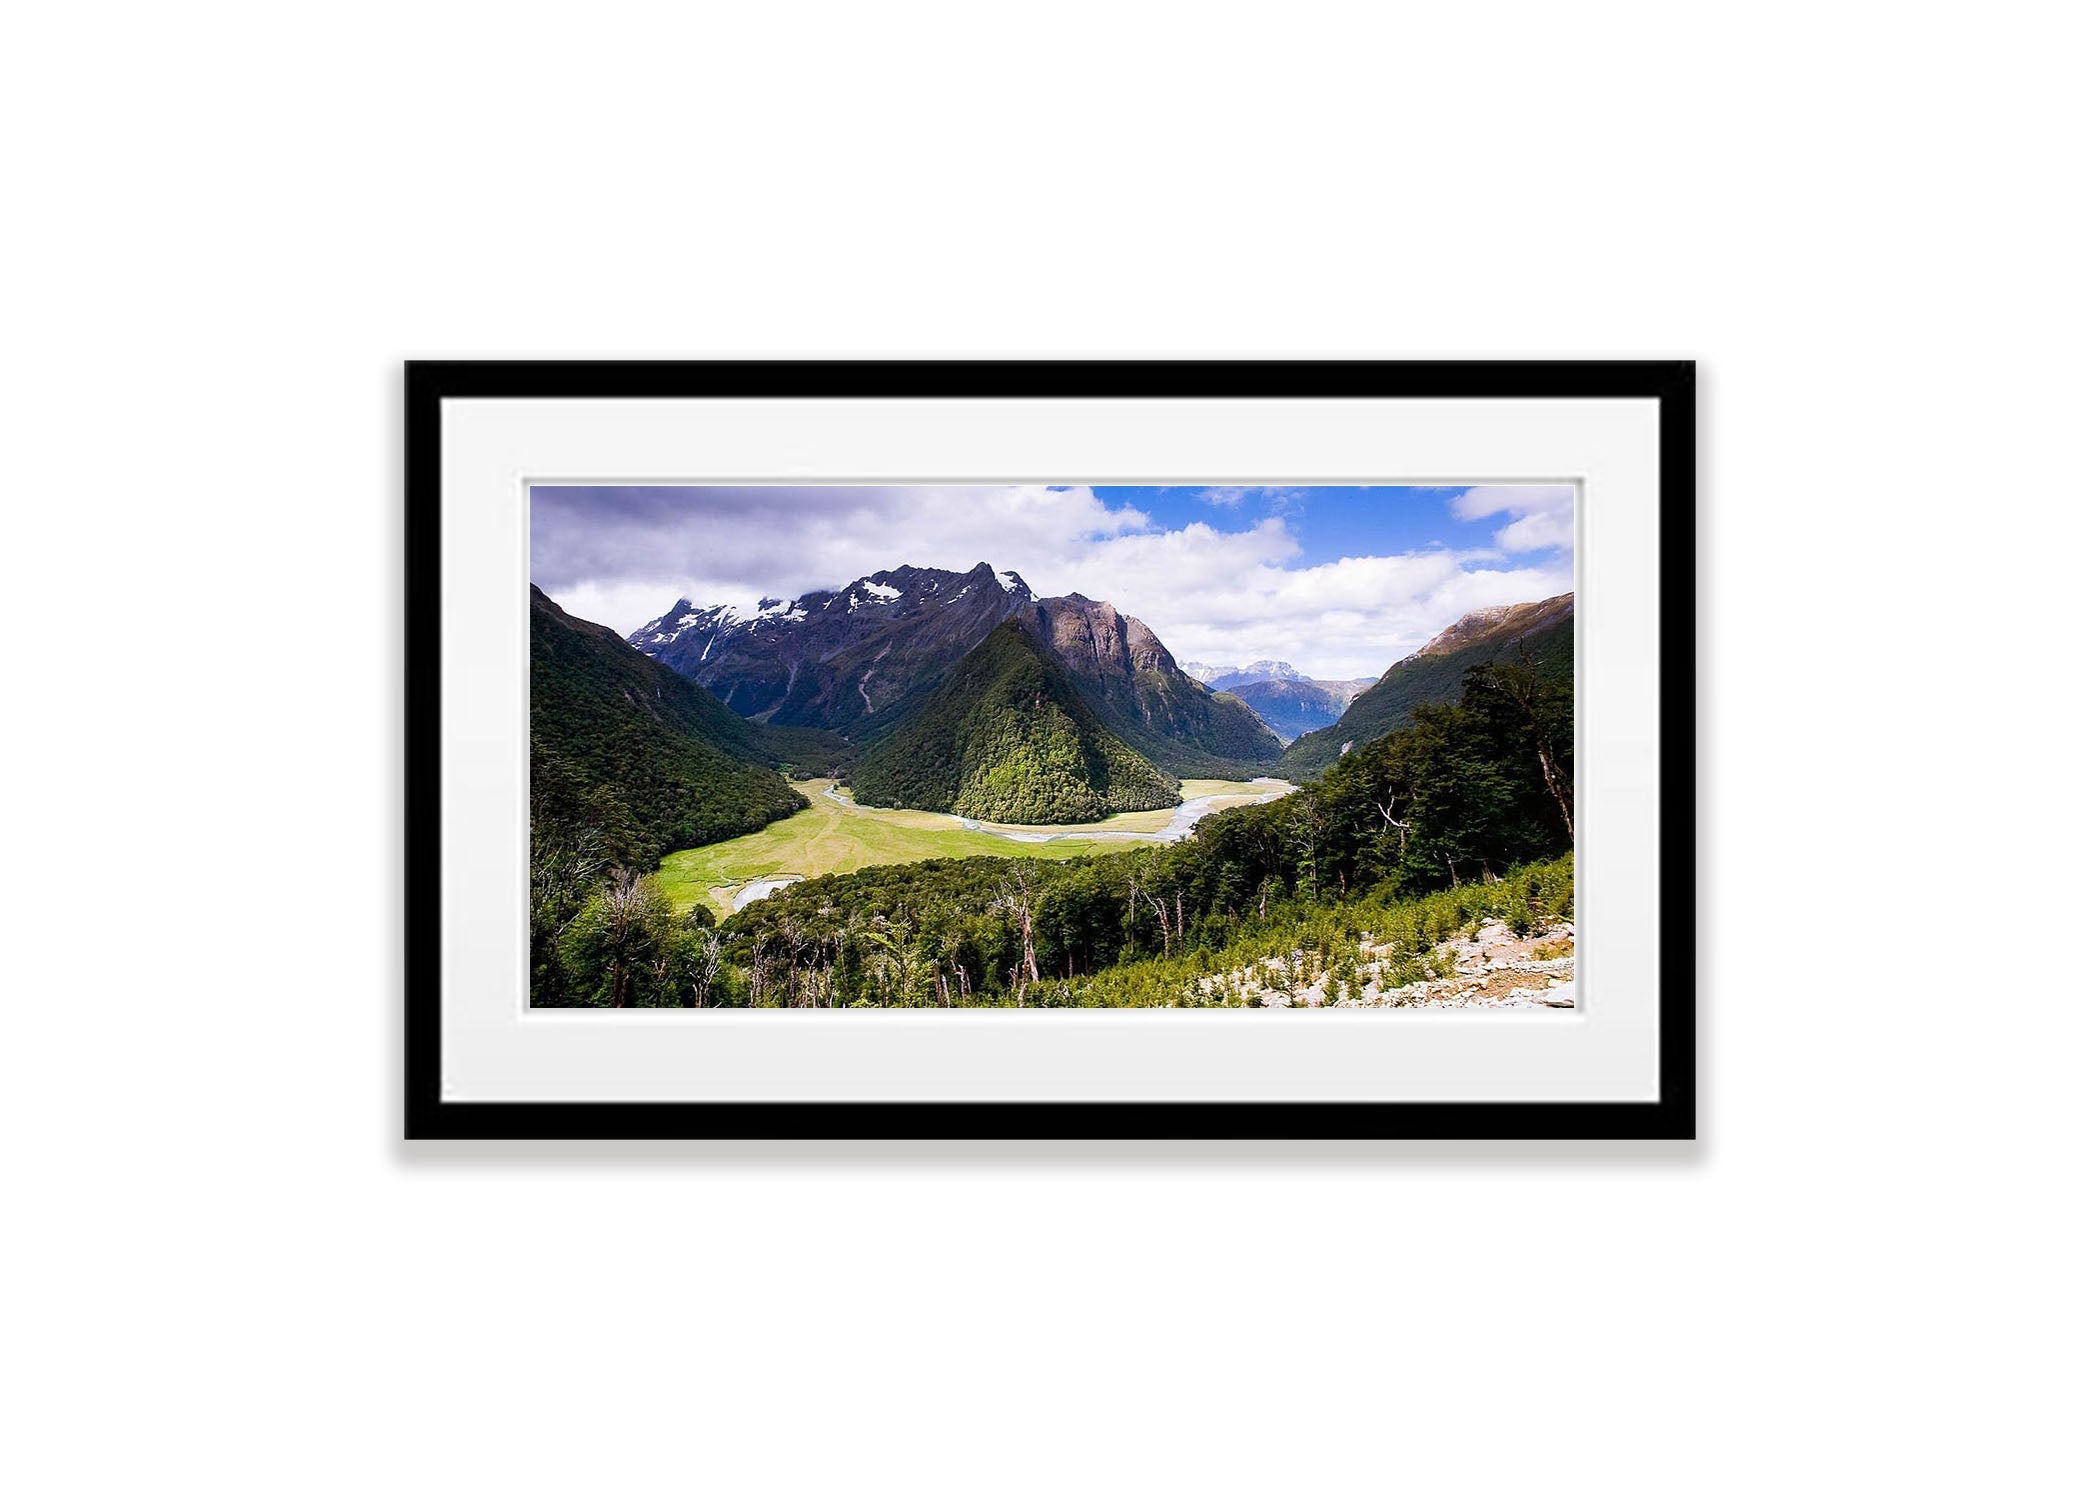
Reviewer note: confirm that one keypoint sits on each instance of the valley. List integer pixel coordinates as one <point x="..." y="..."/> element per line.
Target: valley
<point x="937" y="788"/>
<point x="835" y="835"/>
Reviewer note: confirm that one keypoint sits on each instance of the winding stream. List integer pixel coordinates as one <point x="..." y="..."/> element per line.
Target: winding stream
<point x="1178" y="826"/>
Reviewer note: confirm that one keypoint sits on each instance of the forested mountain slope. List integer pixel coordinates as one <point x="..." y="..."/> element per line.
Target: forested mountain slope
<point x="1008" y="737"/>
<point x="647" y="759"/>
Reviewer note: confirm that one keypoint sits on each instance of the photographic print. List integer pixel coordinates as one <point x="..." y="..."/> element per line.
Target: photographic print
<point x="1261" y="747"/>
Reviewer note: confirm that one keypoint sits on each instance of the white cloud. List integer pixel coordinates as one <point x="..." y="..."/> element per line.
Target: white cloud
<point x="1543" y="514"/>
<point x="1211" y="592"/>
<point x="1224" y="601"/>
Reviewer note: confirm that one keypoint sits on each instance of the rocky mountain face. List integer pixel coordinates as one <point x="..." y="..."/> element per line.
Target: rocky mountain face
<point x="1131" y="680"/>
<point x="1543" y="631"/>
<point x="853" y="660"/>
<point x="860" y="659"/>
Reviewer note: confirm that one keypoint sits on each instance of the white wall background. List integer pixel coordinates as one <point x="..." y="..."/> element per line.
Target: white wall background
<point x="228" y="224"/>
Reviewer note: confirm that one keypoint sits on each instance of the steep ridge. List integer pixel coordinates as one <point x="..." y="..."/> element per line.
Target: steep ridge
<point x="1130" y="679"/>
<point x="628" y="745"/>
<point x="1543" y="631"/>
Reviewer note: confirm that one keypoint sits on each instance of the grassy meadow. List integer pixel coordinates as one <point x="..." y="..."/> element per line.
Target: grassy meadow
<point x="829" y="837"/>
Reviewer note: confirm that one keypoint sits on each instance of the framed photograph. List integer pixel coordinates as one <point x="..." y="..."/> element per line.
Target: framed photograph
<point x="1049" y="750"/>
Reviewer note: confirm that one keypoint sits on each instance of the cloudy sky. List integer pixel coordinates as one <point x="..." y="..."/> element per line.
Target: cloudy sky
<point x="1340" y="582"/>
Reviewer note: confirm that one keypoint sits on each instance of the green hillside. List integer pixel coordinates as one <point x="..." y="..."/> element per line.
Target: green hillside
<point x="1008" y="738"/>
<point x="648" y="759"/>
<point x="1438" y="675"/>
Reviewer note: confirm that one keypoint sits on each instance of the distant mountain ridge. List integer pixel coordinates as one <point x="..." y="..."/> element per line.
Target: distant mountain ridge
<point x="1293" y="706"/>
<point x="1229" y="678"/>
<point x="1543" y="630"/>
<point x="1284" y="698"/>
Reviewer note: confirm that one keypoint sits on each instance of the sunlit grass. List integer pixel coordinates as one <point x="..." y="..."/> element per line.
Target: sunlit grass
<point x="828" y="837"/>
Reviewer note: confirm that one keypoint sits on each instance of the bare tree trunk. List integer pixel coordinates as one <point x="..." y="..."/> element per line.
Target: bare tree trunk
<point x="1557" y="785"/>
<point x="1166" y="934"/>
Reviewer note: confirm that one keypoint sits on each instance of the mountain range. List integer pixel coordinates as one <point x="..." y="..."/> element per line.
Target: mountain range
<point x="1283" y="697"/>
<point x="952" y="692"/>
<point x="1543" y="632"/>
<point x="860" y="660"/>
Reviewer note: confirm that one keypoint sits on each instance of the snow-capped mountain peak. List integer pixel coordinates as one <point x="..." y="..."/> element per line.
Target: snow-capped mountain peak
<point x="1227" y="678"/>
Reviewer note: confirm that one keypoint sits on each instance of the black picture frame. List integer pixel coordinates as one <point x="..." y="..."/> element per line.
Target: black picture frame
<point x="429" y="383"/>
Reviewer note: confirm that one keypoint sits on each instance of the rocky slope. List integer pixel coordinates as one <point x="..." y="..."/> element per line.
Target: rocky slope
<point x="1489" y="969"/>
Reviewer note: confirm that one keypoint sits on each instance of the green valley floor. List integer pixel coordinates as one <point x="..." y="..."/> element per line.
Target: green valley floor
<point x="834" y="834"/>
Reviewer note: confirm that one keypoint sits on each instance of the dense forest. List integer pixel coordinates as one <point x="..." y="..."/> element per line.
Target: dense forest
<point x="1464" y="812"/>
<point x="629" y="762"/>
<point x="1008" y="739"/>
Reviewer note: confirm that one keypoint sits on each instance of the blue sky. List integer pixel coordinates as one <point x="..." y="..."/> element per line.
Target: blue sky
<point x="1328" y="522"/>
<point x="1339" y="581"/>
